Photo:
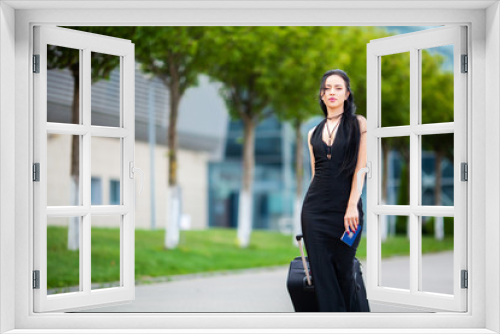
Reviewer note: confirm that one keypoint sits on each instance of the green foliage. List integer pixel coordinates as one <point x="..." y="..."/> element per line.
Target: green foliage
<point x="400" y="246"/>
<point x="105" y="265"/>
<point x="403" y="199"/>
<point x="199" y="251"/>
<point x="170" y="53"/>
<point x="278" y="67"/>
<point x="242" y="59"/>
<point x="395" y="85"/>
<point x="101" y="64"/>
<point x="428" y="228"/>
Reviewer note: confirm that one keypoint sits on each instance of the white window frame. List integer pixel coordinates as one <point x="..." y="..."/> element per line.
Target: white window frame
<point x="85" y="43"/>
<point x="483" y="211"/>
<point x="412" y="44"/>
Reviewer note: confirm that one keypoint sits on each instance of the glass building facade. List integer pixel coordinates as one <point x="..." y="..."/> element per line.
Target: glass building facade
<point x="274" y="180"/>
<point x="274" y="176"/>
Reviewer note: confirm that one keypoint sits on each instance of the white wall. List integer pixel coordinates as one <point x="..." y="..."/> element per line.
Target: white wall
<point x="105" y="164"/>
<point x="192" y="177"/>
<point x="492" y="163"/>
<point x="7" y="160"/>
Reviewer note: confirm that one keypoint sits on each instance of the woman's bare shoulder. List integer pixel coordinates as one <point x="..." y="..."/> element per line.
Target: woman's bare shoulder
<point x="309" y="134"/>
<point x="361" y="118"/>
<point x="362" y="123"/>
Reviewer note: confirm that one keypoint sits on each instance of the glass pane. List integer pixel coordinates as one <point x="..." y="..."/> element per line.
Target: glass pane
<point x="105" y="89"/>
<point x="114" y="192"/>
<point x="95" y="191"/>
<point x="437" y="169"/>
<point x="63" y="170"/>
<point x="437" y="84"/>
<point x="395" y="94"/>
<point x="63" y="85"/>
<point x="395" y="170"/>
<point x="395" y="251"/>
<point x="437" y="254"/>
<point x="105" y="251"/>
<point x="106" y="166"/>
<point x="63" y="255"/>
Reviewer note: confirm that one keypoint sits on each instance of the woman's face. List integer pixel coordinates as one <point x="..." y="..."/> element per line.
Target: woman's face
<point x="335" y="92"/>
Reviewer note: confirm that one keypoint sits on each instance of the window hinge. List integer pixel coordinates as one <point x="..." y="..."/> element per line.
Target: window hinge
<point x="465" y="171"/>
<point x="36" y="172"/>
<point x="36" y="63"/>
<point x="465" y="279"/>
<point x="465" y="64"/>
<point x="36" y="279"/>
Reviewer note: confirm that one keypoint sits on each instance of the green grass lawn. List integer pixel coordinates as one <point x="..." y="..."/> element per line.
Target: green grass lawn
<point x="198" y="251"/>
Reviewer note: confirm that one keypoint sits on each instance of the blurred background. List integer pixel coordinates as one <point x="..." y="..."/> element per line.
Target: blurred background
<point x="221" y="121"/>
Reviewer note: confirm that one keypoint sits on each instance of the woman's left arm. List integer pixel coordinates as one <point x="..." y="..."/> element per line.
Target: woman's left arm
<point x="351" y="218"/>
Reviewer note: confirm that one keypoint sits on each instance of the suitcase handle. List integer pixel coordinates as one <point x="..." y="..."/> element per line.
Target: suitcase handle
<point x="299" y="240"/>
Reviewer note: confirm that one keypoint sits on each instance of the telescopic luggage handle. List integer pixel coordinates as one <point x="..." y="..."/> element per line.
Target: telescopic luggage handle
<point x="299" y="240"/>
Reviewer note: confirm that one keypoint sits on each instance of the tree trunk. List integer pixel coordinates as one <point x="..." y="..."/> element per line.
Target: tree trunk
<point x="438" y="221"/>
<point x="245" y="203"/>
<point x="74" y="222"/>
<point x="174" y="199"/>
<point x="173" y="215"/>
<point x="299" y="174"/>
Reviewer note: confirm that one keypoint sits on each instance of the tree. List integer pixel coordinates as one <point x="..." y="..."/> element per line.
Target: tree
<point x="244" y="68"/>
<point x="171" y="54"/>
<point x="102" y="65"/>
<point x="307" y="54"/>
<point x="437" y="102"/>
<point x="437" y="107"/>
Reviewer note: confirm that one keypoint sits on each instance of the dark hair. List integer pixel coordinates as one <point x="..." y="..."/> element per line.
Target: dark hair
<point x="350" y="123"/>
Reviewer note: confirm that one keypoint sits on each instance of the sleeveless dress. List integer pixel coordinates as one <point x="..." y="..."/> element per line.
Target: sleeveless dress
<point x="322" y="220"/>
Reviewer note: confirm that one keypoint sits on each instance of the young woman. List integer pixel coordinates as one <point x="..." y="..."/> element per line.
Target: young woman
<point x="337" y="146"/>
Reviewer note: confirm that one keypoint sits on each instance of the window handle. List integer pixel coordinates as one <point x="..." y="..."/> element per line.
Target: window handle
<point x="133" y="170"/>
<point x="358" y="175"/>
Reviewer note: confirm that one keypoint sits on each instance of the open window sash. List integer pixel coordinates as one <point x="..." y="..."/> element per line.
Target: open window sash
<point x="414" y="43"/>
<point x="83" y="44"/>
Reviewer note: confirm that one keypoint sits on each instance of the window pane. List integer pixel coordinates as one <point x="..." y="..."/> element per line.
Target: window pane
<point x="106" y="165"/>
<point x="437" y="170"/>
<point x="105" y="93"/>
<point x="437" y="254"/>
<point x="395" y="170"/>
<point x="63" y="170"/>
<point x="63" y="255"/>
<point x="96" y="191"/>
<point x="395" y="251"/>
<point x="437" y="84"/>
<point x="63" y="85"/>
<point x="114" y="192"/>
<point x="105" y="251"/>
<point x="395" y="86"/>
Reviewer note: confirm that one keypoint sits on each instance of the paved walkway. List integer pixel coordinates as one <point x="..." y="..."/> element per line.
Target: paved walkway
<point x="264" y="290"/>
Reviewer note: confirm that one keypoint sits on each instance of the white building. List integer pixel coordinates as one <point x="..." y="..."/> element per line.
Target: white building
<point x="202" y="126"/>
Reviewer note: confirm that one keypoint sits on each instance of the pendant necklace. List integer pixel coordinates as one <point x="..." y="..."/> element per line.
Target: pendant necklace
<point x="329" y="155"/>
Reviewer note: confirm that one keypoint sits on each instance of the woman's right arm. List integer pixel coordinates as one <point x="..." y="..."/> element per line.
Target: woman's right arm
<point x="311" y="154"/>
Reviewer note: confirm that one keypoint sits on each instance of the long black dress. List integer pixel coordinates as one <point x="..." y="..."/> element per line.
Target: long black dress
<point x="322" y="218"/>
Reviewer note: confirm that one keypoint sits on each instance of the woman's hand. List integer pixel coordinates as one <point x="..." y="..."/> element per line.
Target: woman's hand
<point x="351" y="219"/>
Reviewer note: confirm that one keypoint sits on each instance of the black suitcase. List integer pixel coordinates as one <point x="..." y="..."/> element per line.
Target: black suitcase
<point x="360" y="303"/>
<point x="302" y="294"/>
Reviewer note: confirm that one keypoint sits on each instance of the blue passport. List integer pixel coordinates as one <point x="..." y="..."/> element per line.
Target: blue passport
<point x="349" y="238"/>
